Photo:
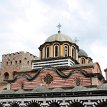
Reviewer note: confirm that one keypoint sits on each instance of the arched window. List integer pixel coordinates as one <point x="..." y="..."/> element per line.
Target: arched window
<point x="47" y="52"/>
<point x="6" y="63"/>
<point x="41" y="52"/>
<point x="82" y="61"/>
<point x="89" y="60"/>
<point x="66" y="50"/>
<point x="56" y="50"/>
<point x="15" y="62"/>
<point x="20" y="61"/>
<point x="28" y="62"/>
<point x="11" y="62"/>
<point x="6" y="75"/>
<point x="73" y="52"/>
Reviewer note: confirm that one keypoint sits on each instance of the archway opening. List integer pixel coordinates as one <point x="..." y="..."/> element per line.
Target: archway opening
<point x="15" y="105"/>
<point x="6" y="75"/>
<point x="54" y="105"/>
<point x="76" y="104"/>
<point x="1" y="105"/>
<point x="103" y="104"/>
<point x="34" y="105"/>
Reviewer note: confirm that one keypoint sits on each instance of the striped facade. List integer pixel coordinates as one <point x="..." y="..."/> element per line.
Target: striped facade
<point x="60" y="79"/>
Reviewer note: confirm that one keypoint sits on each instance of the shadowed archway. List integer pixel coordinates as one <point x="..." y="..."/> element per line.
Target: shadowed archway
<point x="102" y="104"/>
<point x="76" y="104"/>
<point x="33" y="105"/>
<point x="1" y="105"/>
<point x="14" y="105"/>
<point x="54" y="104"/>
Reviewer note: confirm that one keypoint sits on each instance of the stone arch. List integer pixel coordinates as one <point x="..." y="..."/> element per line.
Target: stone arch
<point x="6" y="75"/>
<point x="15" y="105"/>
<point x="54" y="104"/>
<point x="33" y="104"/>
<point x="102" y="104"/>
<point x="1" y="105"/>
<point x="76" y="104"/>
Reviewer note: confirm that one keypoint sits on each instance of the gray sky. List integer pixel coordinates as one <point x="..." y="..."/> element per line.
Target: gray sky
<point x="25" y="25"/>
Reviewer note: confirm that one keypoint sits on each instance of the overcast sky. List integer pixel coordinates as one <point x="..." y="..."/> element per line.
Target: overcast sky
<point x="25" y="25"/>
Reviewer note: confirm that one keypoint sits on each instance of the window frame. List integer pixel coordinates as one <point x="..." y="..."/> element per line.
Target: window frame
<point x="74" y="52"/>
<point x="56" y="50"/>
<point x="47" y="51"/>
<point x="82" y="60"/>
<point x="66" y="50"/>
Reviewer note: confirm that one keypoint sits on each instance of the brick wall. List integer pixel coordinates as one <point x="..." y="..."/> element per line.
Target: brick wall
<point x="57" y="81"/>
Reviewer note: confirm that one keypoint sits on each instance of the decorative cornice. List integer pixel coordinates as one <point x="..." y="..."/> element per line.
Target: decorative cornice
<point x="51" y="58"/>
<point x="30" y="94"/>
<point x="59" y="73"/>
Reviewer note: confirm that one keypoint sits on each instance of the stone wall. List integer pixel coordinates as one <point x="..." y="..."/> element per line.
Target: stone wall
<point x="15" y="62"/>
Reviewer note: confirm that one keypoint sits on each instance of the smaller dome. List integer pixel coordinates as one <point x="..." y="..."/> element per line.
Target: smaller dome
<point x="59" y="37"/>
<point x="82" y="53"/>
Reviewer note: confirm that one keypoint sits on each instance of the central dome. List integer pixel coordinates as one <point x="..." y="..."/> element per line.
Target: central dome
<point x="59" y="37"/>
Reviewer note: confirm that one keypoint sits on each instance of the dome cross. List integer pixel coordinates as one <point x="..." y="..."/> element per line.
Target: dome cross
<point x="59" y="27"/>
<point x="76" y="40"/>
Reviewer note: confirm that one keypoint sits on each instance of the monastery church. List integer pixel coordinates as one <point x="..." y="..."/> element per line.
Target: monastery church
<point x="64" y="75"/>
